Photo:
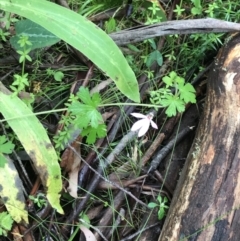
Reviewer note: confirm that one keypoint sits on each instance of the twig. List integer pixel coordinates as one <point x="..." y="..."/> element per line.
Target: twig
<point x="164" y="151"/>
<point x="140" y="231"/>
<point x="205" y="25"/>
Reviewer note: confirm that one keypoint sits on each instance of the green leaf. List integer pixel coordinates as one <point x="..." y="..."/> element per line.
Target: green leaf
<point x="187" y="93"/>
<point x="5" y="223"/>
<point x="154" y="56"/>
<point x="58" y="76"/>
<point x="35" y="141"/>
<point x="159" y="198"/>
<point x="6" y="146"/>
<point x="86" y="98"/>
<point x="133" y="48"/>
<point x="87" y="113"/>
<point x="82" y="35"/>
<point x="11" y="192"/>
<point x="196" y="11"/>
<point x="93" y="133"/>
<point x="161" y="213"/>
<point x="165" y="200"/>
<point x="152" y="205"/>
<point x="88" y="117"/>
<point x="173" y="105"/>
<point x="169" y="80"/>
<point x="198" y="8"/>
<point x="37" y="35"/>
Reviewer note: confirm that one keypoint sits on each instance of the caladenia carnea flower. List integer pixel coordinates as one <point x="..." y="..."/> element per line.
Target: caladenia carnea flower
<point x="143" y="125"/>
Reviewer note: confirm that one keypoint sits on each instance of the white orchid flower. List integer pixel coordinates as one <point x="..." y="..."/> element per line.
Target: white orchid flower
<point x="143" y="124"/>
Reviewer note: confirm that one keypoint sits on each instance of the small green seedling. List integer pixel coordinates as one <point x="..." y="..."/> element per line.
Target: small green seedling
<point x="175" y="95"/>
<point x="6" y="147"/>
<point x="6" y="222"/>
<point x="21" y="81"/>
<point x="57" y="75"/>
<point x="39" y="200"/>
<point x="161" y="206"/>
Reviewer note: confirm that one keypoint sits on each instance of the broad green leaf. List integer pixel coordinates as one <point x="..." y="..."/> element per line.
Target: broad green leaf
<point x="37" y="35"/>
<point x="11" y="192"/>
<point x="35" y="141"/>
<point x="81" y="34"/>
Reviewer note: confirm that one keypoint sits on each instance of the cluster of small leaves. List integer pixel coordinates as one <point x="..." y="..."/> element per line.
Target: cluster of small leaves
<point x="21" y="81"/>
<point x="6" y="147"/>
<point x="5" y="223"/>
<point x="87" y="117"/>
<point x="161" y="206"/>
<point x="175" y="95"/>
<point x="57" y="75"/>
<point x="67" y="134"/>
<point x="83" y="117"/>
<point x="39" y="200"/>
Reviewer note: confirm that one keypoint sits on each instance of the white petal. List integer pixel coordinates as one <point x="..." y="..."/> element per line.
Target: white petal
<point x="137" y="125"/>
<point x="138" y="115"/>
<point x="144" y="129"/>
<point x="154" y="125"/>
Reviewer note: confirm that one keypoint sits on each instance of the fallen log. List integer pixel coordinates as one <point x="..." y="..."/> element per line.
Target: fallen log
<point x="205" y="206"/>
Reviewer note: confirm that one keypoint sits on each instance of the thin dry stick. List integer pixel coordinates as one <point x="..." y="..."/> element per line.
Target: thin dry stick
<point x="140" y="231"/>
<point x="159" y="139"/>
<point x="164" y="151"/>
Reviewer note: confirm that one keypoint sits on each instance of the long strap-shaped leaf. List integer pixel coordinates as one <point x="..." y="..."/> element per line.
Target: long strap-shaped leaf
<point x="81" y="34"/>
<point x="35" y="141"/>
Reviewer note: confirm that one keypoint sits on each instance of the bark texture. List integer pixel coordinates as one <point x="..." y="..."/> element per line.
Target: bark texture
<point x="205" y="206"/>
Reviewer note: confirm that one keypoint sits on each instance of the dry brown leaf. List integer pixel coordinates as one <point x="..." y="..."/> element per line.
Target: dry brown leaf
<point x="100" y="86"/>
<point x="88" y="234"/>
<point x="73" y="174"/>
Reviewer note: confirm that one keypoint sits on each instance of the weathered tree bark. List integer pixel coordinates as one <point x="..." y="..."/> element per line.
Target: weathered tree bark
<point x="205" y="206"/>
